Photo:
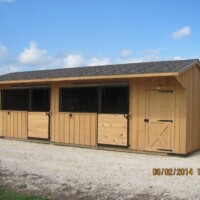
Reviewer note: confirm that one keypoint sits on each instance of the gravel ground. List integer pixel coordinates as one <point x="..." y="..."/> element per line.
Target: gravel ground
<point x="79" y="173"/>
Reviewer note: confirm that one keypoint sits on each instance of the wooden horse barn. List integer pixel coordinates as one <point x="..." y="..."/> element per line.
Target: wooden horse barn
<point x="150" y="106"/>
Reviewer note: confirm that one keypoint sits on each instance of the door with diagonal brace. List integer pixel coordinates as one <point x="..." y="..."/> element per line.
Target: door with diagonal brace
<point x="158" y="120"/>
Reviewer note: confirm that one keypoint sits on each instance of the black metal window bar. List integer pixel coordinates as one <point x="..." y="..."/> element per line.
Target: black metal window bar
<point x="111" y="100"/>
<point x="115" y="100"/>
<point x="35" y="99"/>
<point x="14" y="99"/>
<point x="78" y="99"/>
<point x="40" y="100"/>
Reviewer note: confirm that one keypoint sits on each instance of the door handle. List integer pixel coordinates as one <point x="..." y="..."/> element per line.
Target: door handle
<point x="146" y="120"/>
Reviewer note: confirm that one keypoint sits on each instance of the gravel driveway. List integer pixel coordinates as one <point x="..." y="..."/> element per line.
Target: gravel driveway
<point x="79" y="173"/>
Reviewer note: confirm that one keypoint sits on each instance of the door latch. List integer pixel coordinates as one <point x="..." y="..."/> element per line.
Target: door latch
<point x="165" y="121"/>
<point x="127" y="116"/>
<point x="48" y="113"/>
<point x="146" y="120"/>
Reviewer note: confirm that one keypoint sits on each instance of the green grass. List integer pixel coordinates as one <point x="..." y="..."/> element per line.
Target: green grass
<point x="6" y="194"/>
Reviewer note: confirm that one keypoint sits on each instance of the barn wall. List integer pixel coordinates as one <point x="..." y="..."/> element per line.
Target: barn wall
<point x="66" y="129"/>
<point x="13" y="124"/>
<point x="138" y="86"/>
<point x="191" y="80"/>
<point x="81" y="128"/>
<point x="77" y="128"/>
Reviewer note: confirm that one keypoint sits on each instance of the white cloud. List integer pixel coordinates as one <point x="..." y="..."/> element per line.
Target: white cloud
<point x="7" y="1"/>
<point x="152" y="54"/>
<point x="3" y="51"/>
<point x="35" y="58"/>
<point x="131" y="60"/>
<point x="126" y="52"/>
<point x="10" y="68"/>
<point x="33" y="55"/>
<point x="177" y="58"/>
<point x="182" y="33"/>
<point x="5" y="61"/>
<point x="98" y="61"/>
<point x="73" y="60"/>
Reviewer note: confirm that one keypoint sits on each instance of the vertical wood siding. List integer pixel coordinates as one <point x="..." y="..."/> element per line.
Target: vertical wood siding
<point x="138" y="86"/>
<point x="13" y="124"/>
<point x="79" y="128"/>
<point x="191" y="80"/>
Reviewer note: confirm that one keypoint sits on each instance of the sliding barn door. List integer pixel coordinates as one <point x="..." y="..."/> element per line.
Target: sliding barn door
<point x="158" y="121"/>
<point x="38" y="125"/>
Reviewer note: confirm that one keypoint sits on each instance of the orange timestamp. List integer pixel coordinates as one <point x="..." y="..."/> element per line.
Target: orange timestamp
<point x="175" y="171"/>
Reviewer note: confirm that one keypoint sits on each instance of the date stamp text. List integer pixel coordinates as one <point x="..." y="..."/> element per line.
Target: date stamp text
<point x="175" y="171"/>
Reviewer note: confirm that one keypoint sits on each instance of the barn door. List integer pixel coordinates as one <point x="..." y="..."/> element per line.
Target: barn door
<point x="158" y="120"/>
<point x="112" y="129"/>
<point x="38" y="125"/>
<point x="113" y="116"/>
<point x="38" y="115"/>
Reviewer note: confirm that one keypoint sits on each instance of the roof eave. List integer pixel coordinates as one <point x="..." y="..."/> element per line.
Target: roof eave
<point x="50" y="80"/>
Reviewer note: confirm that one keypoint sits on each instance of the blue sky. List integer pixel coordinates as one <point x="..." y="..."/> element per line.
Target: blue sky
<point x="42" y="34"/>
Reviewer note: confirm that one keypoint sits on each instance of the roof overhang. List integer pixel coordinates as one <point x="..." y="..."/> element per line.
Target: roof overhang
<point x="103" y="77"/>
<point x="125" y="76"/>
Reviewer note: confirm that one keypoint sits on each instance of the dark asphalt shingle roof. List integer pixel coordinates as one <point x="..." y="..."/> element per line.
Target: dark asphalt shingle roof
<point x="118" y="69"/>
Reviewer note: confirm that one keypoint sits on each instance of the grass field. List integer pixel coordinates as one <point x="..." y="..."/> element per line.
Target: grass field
<point x="6" y="194"/>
